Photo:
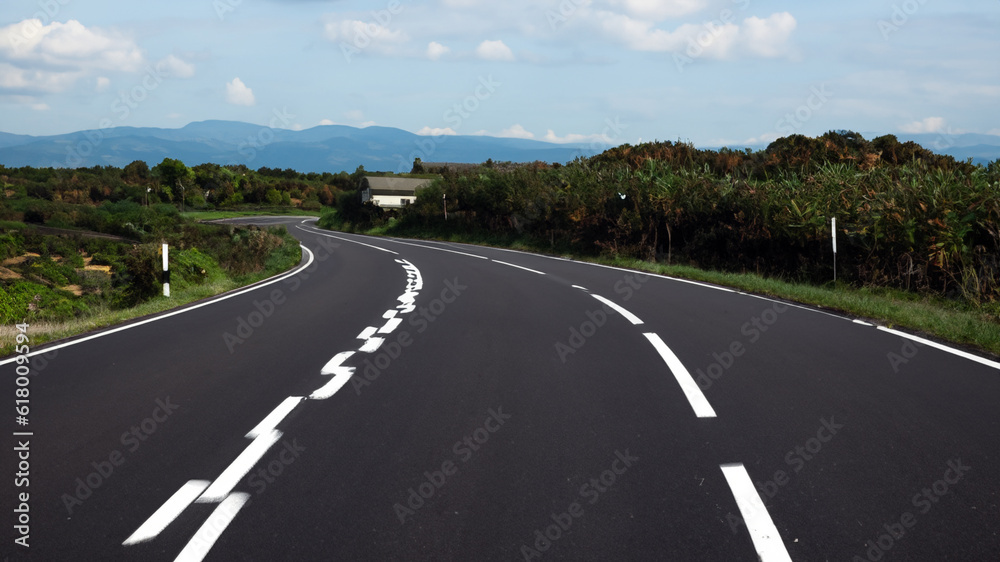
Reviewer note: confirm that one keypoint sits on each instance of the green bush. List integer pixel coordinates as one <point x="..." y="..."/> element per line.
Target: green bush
<point x="192" y="267"/>
<point x="57" y="274"/>
<point x="139" y="277"/>
<point x="11" y="245"/>
<point x="23" y="300"/>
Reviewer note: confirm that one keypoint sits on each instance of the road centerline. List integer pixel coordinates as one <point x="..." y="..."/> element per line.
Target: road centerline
<point x="690" y="388"/>
<point x="619" y="309"/>
<point x="766" y="539"/>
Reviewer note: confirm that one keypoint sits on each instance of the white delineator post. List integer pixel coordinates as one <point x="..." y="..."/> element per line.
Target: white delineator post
<point x="166" y="274"/>
<point x="833" y="229"/>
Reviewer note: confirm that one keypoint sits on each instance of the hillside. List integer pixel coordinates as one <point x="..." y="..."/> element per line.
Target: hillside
<point x="327" y="148"/>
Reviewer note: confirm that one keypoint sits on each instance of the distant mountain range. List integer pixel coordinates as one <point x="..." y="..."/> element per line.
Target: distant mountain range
<point x="327" y="148"/>
<point x="332" y="148"/>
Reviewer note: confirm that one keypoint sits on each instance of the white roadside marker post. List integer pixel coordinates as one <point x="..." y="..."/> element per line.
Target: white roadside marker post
<point x="166" y="274"/>
<point x="833" y="228"/>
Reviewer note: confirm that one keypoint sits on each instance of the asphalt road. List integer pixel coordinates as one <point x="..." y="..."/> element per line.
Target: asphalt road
<point x="405" y="400"/>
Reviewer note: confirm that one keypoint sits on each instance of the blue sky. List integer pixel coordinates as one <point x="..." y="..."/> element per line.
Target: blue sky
<point x="707" y="71"/>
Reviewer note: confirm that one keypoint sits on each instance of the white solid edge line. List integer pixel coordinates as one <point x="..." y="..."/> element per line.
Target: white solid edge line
<point x="958" y="352"/>
<point x="167" y="512"/>
<point x="204" y="538"/>
<point x="691" y="390"/>
<point x="792" y="304"/>
<point x="766" y="539"/>
<point x="628" y="315"/>
<point x="168" y="314"/>
<point x="520" y="267"/>
<point x="276" y="415"/>
<point x="313" y="231"/>
<point x="438" y="249"/>
<point x="239" y="467"/>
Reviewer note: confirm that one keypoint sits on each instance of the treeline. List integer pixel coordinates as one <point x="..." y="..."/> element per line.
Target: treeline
<point x="906" y="218"/>
<point x="201" y="187"/>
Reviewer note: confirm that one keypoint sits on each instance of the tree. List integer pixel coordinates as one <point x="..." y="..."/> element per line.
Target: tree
<point x="357" y="176"/>
<point x="273" y="197"/>
<point x="174" y="176"/>
<point x="136" y="172"/>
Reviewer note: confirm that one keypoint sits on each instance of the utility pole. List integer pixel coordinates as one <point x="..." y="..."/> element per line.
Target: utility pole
<point x="444" y="203"/>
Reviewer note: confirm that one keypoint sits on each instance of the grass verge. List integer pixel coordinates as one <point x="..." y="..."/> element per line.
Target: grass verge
<point x="279" y="211"/>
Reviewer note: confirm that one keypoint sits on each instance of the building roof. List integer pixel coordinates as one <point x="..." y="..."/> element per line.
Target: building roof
<point x="393" y="186"/>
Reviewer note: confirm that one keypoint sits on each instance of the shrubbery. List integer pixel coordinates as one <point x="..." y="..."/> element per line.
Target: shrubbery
<point x="906" y="218"/>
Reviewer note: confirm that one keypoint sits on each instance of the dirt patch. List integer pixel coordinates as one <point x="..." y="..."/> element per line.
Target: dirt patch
<point x="75" y="289"/>
<point x="20" y="259"/>
<point x="8" y="274"/>
<point x="106" y="269"/>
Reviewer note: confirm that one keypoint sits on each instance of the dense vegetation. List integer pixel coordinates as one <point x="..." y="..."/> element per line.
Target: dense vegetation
<point x="906" y="218"/>
<point x="76" y="242"/>
<point x="205" y="186"/>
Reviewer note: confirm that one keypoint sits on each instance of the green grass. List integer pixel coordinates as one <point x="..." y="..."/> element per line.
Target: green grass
<point x="937" y="318"/>
<point x="216" y="215"/>
<point x="101" y="316"/>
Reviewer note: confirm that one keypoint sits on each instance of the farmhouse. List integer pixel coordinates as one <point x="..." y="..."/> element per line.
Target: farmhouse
<point x="391" y="193"/>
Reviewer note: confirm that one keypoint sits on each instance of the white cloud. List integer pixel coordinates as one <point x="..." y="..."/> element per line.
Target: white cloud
<point x="436" y="131"/>
<point x="993" y="132"/>
<point x="101" y="84"/>
<point x="237" y="93"/>
<point x="660" y="9"/>
<point x="326" y="122"/>
<point x="550" y="136"/>
<point x="355" y="115"/>
<point x="768" y="37"/>
<point x="494" y="50"/>
<point x="52" y="57"/>
<point x="435" y="50"/>
<point x="174" y="67"/>
<point x="517" y="132"/>
<point x="361" y="36"/>
<point x="928" y="125"/>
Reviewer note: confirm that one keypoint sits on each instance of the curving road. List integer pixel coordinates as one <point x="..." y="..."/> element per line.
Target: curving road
<point x="408" y="400"/>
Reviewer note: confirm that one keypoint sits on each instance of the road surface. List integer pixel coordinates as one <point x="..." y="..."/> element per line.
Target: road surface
<point x="407" y="400"/>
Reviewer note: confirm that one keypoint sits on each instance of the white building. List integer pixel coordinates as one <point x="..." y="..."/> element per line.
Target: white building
<point x="391" y="193"/>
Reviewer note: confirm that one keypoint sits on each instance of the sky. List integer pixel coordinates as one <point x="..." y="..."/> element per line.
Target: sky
<point x="710" y="72"/>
